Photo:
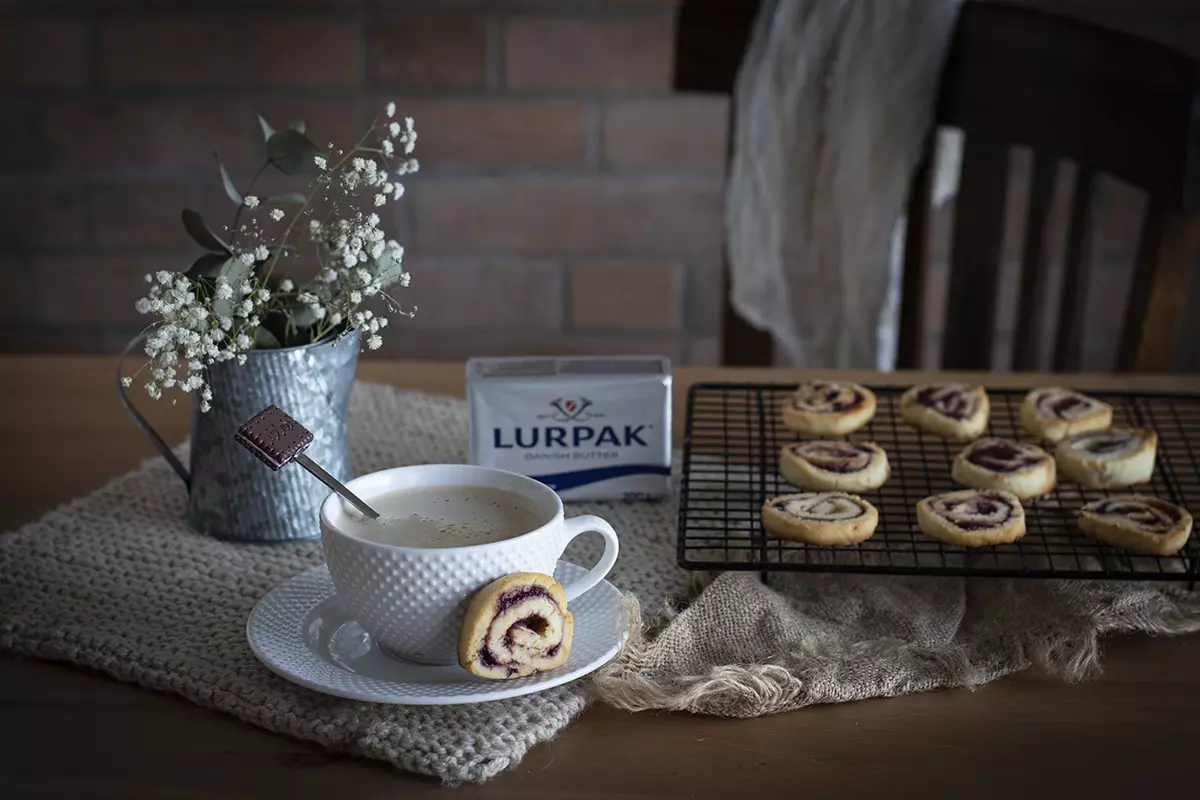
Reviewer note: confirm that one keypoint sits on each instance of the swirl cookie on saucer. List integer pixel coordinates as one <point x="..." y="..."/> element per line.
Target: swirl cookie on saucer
<point x="829" y="408"/>
<point x="515" y="626"/>
<point x="972" y="518"/>
<point x="832" y="465"/>
<point x="1053" y="413"/>
<point x="1110" y="458"/>
<point x="825" y="518"/>
<point x="1022" y="469"/>
<point x="953" y="410"/>
<point x="1137" y="522"/>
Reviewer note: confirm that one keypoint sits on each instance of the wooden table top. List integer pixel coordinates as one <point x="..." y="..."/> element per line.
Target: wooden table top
<point x="70" y="732"/>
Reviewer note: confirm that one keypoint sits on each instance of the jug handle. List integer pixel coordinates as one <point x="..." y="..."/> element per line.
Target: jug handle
<point x="161" y="446"/>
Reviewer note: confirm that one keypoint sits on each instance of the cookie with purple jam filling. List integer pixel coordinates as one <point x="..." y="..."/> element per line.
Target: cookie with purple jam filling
<point x="825" y="518"/>
<point x="1053" y="413"/>
<point x="972" y="518"/>
<point x="831" y="465"/>
<point x="515" y="626"/>
<point x="952" y="410"/>
<point x="1137" y="522"/>
<point x="1105" y="459"/>
<point x="829" y="407"/>
<point x="1026" y="470"/>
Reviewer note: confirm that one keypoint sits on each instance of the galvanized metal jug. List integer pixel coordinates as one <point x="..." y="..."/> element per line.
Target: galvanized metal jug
<point x="231" y="494"/>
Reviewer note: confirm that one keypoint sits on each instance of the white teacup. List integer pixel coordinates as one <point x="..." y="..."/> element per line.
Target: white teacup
<point x="412" y="599"/>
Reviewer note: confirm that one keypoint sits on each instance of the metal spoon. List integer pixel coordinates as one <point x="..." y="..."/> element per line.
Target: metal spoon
<point x="277" y="439"/>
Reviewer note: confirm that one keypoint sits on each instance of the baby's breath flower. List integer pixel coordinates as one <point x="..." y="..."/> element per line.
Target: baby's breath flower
<point x="277" y="214"/>
<point x="242" y="342"/>
<point x="314" y="226"/>
<point x="261" y="253"/>
<point x="250" y="201"/>
<point x="241" y="359"/>
<point x="374" y="342"/>
<point x="405" y="279"/>
<point x="224" y="290"/>
<point x="245" y="287"/>
<point x="127" y="382"/>
<point x="394" y="129"/>
<point x="246" y="258"/>
<point x="391" y="109"/>
<point x="380" y="199"/>
<point x="387" y="147"/>
<point x="383" y="323"/>
<point x="262" y="295"/>
<point x="320" y="162"/>
<point x="148" y="278"/>
<point x="399" y="191"/>
<point x="355" y="297"/>
<point x="286" y="285"/>
<point x="359" y="164"/>
<point x="164" y="277"/>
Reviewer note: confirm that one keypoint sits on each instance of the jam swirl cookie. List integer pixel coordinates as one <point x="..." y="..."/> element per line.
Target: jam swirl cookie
<point x="1023" y="469"/>
<point x="1137" y="522"/>
<point x="825" y="518"/>
<point x="972" y="518"/>
<point x="829" y="407"/>
<point x="515" y="626"/>
<point x="954" y="410"/>
<point x="829" y="465"/>
<point x="1054" y="413"/>
<point x="1104" y="459"/>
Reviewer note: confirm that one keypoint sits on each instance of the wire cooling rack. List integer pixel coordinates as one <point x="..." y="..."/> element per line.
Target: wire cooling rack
<point x="734" y="433"/>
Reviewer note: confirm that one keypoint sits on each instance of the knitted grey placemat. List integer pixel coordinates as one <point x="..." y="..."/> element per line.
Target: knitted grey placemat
<point x="117" y="582"/>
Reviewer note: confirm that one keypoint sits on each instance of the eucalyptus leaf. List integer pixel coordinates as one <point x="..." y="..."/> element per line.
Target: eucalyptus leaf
<point x="194" y="223"/>
<point x="289" y="197"/>
<point x="387" y="269"/>
<point x="230" y="189"/>
<point x="234" y="272"/>
<point x="267" y="130"/>
<point x="264" y="338"/>
<point x="302" y="316"/>
<point x="298" y="126"/>
<point x="291" y="152"/>
<point x="205" y="266"/>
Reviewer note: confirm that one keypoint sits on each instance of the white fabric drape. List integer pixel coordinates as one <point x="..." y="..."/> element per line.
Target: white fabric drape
<point x="833" y="102"/>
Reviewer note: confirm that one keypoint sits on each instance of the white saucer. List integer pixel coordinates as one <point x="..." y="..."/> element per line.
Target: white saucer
<point x="298" y="630"/>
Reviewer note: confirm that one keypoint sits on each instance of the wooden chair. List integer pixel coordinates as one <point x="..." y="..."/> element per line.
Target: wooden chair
<point x="1111" y="103"/>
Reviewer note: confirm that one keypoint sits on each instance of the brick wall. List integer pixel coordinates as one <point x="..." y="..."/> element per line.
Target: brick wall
<point x="568" y="201"/>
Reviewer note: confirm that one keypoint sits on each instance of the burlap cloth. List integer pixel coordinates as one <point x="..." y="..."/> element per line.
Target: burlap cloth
<point x="116" y="582"/>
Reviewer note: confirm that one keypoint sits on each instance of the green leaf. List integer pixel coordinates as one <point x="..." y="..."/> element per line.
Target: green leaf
<point x="230" y="189"/>
<point x="290" y="197"/>
<point x="387" y="268"/>
<point x="264" y="338"/>
<point x="205" y="266"/>
<point x="267" y="130"/>
<point x="194" y="223"/>
<point x="291" y="152"/>
<point x="302" y="316"/>
<point x="297" y="126"/>
<point x="234" y="272"/>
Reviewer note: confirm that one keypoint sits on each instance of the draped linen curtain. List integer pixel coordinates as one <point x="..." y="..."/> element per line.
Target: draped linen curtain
<point x="833" y="103"/>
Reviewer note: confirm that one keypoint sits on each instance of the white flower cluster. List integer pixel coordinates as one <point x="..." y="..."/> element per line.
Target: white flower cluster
<point x="192" y="334"/>
<point x="208" y="321"/>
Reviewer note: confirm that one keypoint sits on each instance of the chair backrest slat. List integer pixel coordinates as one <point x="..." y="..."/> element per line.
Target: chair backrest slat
<point x="1028" y="335"/>
<point x="916" y="255"/>
<point x="975" y="255"/>
<point x="1068" y="350"/>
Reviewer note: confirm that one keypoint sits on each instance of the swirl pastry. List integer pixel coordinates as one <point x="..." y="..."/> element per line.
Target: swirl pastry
<point x="828" y="465"/>
<point x="1103" y="459"/>
<point x="515" y="626"/>
<point x="1053" y="413"/>
<point x="1137" y="522"/>
<point x="972" y="518"/>
<point x="828" y="407"/>
<point x="952" y="410"/>
<point x="1023" y="469"/>
<point x="820" y="518"/>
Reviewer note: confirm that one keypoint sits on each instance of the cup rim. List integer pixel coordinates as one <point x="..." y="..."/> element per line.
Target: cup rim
<point x="334" y="498"/>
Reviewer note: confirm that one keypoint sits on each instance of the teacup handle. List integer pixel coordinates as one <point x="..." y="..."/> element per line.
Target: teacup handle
<point x="589" y="524"/>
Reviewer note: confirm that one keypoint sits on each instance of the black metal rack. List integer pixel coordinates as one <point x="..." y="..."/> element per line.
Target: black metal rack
<point x="734" y="433"/>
